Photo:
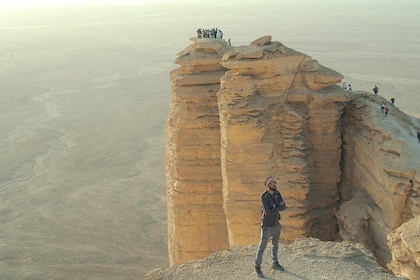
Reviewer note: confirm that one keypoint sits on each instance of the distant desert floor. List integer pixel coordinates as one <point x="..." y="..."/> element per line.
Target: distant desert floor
<point x="84" y="98"/>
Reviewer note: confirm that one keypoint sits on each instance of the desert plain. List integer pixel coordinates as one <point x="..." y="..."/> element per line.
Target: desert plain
<point x="84" y="96"/>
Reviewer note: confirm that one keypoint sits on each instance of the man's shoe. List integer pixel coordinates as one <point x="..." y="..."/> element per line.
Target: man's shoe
<point x="277" y="266"/>
<point x="258" y="271"/>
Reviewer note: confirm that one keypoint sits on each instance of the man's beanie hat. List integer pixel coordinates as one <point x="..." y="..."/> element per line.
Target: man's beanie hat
<point x="269" y="180"/>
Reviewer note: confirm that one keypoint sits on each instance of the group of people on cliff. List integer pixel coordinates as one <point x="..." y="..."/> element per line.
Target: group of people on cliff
<point x="384" y="109"/>
<point x="375" y="92"/>
<point x="214" y="33"/>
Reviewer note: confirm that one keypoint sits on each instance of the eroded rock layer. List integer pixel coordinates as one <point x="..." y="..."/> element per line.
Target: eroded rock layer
<point x="280" y="116"/>
<point x="404" y="243"/>
<point x="381" y="168"/>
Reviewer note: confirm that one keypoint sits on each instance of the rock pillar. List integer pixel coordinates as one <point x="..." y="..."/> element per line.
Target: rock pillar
<point x="196" y="221"/>
<point x="280" y="116"/>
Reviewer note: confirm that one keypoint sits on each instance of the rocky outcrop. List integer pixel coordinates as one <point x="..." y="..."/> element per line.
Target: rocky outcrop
<point x="404" y="243"/>
<point x="381" y="167"/>
<point x="240" y="114"/>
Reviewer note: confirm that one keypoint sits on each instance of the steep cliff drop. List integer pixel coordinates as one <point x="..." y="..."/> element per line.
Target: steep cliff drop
<point x="196" y="221"/>
<point x="241" y="114"/>
<point x="380" y="186"/>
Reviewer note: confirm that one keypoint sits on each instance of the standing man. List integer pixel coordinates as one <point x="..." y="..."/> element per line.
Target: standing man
<point x="272" y="203"/>
<point x="418" y="135"/>
<point x="386" y="111"/>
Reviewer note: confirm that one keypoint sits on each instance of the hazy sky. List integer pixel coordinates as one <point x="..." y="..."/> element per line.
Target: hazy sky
<point x="28" y="3"/>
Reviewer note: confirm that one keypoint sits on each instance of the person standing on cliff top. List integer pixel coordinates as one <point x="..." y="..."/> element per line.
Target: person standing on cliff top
<point x="418" y="135"/>
<point x="386" y="111"/>
<point x="375" y="90"/>
<point x="272" y="202"/>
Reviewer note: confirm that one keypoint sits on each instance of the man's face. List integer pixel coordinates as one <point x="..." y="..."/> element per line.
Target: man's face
<point x="272" y="185"/>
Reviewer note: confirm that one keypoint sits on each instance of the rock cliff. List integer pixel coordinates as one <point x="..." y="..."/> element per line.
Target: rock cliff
<point x="380" y="186"/>
<point x="196" y="220"/>
<point x="240" y="114"/>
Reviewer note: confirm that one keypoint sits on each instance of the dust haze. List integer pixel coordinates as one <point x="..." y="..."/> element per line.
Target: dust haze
<point x="83" y="102"/>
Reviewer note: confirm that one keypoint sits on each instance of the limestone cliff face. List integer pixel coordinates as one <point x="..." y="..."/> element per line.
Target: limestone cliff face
<point x="241" y="114"/>
<point x="280" y="115"/>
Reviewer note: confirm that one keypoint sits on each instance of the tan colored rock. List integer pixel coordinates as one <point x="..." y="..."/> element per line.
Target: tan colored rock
<point x="255" y="99"/>
<point x="221" y="148"/>
<point x="404" y="243"/>
<point x="316" y="76"/>
<point x="275" y="48"/>
<point x="382" y="162"/>
<point x="229" y="55"/>
<point x="265" y="40"/>
<point x="249" y="52"/>
<point x="353" y="219"/>
<point x="241" y="114"/>
<point x="196" y="221"/>
<point x="208" y="45"/>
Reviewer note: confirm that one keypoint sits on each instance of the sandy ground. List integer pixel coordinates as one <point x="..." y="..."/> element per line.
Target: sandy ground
<point x="83" y="102"/>
<point x="305" y="259"/>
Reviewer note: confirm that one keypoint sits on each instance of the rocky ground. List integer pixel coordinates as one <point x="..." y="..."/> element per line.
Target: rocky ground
<point x="304" y="259"/>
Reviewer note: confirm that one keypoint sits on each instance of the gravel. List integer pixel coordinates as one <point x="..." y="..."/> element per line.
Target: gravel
<point x="304" y="259"/>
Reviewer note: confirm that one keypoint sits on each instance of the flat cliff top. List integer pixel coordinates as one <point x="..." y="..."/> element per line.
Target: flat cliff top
<point x="304" y="259"/>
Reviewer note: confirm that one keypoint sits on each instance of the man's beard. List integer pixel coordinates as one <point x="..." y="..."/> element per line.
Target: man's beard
<point x="273" y="188"/>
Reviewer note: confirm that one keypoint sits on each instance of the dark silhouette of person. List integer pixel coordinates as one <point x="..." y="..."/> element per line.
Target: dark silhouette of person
<point x="418" y="135"/>
<point x="392" y="101"/>
<point x="375" y="90"/>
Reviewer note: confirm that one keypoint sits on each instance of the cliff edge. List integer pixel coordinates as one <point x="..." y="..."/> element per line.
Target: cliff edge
<point x="308" y="259"/>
